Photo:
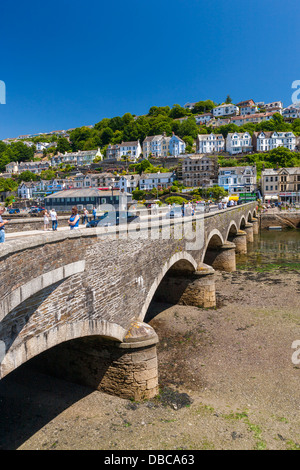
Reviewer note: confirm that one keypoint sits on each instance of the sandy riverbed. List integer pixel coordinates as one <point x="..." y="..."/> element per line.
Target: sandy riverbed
<point x="227" y="381"/>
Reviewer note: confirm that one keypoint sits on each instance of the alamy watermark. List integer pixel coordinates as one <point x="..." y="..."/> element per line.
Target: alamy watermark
<point x="296" y="94"/>
<point x="155" y="223"/>
<point x="2" y="92"/>
<point x="296" y="354"/>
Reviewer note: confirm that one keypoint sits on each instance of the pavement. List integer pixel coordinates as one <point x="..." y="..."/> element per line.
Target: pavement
<point x="16" y="235"/>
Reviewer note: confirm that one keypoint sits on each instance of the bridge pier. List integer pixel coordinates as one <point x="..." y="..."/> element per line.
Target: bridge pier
<point x="240" y="241"/>
<point x="249" y="232"/>
<point x="133" y="369"/>
<point x="255" y="223"/>
<point x="125" y="369"/>
<point x="196" y="289"/>
<point x="221" y="258"/>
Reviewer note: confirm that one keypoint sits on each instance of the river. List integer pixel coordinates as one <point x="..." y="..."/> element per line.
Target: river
<point x="272" y="249"/>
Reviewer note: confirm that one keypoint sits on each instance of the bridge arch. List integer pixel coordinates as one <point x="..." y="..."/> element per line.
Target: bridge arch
<point x="181" y="261"/>
<point x="243" y="222"/>
<point x="214" y="240"/>
<point x="232" y="230"/>
<point x="32" y="347"/>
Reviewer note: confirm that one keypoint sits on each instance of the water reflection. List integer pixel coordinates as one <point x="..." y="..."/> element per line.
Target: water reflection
<point x="272" y="249"/>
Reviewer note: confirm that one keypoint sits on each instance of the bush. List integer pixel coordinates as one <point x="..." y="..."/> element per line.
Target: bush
<point x="175" y="200"/>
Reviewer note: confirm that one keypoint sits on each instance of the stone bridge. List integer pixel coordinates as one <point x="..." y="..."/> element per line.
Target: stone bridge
<point x="77" y="301"/>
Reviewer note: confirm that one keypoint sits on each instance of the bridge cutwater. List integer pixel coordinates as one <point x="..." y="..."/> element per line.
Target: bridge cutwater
<point x="77" y="301"/>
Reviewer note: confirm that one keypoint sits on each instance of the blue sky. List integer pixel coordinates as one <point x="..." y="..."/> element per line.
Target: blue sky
<point x="71" y="63"/>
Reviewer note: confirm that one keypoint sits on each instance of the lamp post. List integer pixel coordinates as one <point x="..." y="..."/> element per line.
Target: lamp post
<point x="112" y="189"/>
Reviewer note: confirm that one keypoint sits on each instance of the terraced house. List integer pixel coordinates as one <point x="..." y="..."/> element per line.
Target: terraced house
<point x="163" y="146"/>
<point x="210" y="143"/>
<point x="268" y="140"/>
<point x="239" y="179"/>
<point x="281" y="184"/>
<point x="238" y="143"/>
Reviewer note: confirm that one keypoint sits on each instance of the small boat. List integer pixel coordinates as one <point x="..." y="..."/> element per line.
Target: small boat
<point x="275" y="227"/>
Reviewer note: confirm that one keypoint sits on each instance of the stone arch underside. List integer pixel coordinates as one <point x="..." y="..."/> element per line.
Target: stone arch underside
<point x="180" y="266"/>
<point x="23" y="351"/>
<point x="232" y="231"/>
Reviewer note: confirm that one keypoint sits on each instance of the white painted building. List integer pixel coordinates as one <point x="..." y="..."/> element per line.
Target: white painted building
<point x="239" y="179"/>
<point x="238" y="143"/>
<point x="132" y="150"/>
<point x="264" y="141"/>
<point x="149" y="181"/>
<point x="210" y="143"/>
<point x="275" y="105"/>
<point x="80" y="158"/>
<point x="252" y="118"/>
<point x="292" y="111"/>
<point x="247" y="107"/>
<point x="226" y="110"/>
<point x="203" y="118"/>
<point x="128" y="183"/>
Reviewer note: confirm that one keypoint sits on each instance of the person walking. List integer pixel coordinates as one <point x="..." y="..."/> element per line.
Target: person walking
<point x="2" y="225"/>
<point x="54" y="220"/>
<point x="85" y="217"/>
<point x="46" y="220"/>
<point x="74" y="219"/>
<point x="94" y="213"/>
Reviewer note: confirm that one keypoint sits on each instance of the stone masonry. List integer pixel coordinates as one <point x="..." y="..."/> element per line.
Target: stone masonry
<point x="88" y="292"/>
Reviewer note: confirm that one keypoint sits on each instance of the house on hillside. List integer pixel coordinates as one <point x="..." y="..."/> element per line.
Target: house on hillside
<point x="265" y="141"/>
<point x="238" y="143"/>
<point x="210" y="143"/>
<point x="247" y="107"/>
<point x="238" y="179"/>
<point x="225" y="110"/>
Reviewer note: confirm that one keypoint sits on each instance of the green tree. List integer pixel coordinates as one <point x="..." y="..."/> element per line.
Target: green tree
<point x="138" y="194"/>
<point x="48" y="174"/>
<point x="27" y="176"/>
<point x="178" y="111"/>
<point x="8" y="184"/>
<point x="203" y="107"/>
<point x="63" y="145"/>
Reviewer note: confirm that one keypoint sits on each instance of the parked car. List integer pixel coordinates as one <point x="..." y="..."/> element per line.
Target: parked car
<point x="174" y="212"/>
<point x="14" y="211"/>
<point x="36" y="211"/>
<point x="113" y="218"/>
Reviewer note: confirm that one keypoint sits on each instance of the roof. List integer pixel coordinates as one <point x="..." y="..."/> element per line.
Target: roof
<point x="129" y="144"/>
<point x="238" y="169"/>
<point x="275" y="171"/>
<point x="246" y="103"/>
<point x="83" y="192"/>
<point x="252" y="116"/>
<point x="157" y="175"/>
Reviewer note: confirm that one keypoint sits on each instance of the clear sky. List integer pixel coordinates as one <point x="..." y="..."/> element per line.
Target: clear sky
<point x="71" y="63"/>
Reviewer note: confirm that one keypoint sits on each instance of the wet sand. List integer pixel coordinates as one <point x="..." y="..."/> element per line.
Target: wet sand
<point x="227" y="381"/>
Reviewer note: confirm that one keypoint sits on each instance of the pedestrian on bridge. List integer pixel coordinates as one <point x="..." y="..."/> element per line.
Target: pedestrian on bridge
<point x="53" y="216"/>
<point x="46" y="220"/>
<point x="74" y="219"/>
<point x="2" y="225"/>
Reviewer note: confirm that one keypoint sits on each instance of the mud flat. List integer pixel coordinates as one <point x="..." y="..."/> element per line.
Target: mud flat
<point x="227" y="381"/>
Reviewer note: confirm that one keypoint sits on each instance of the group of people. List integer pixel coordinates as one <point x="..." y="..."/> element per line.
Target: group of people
<point x="54" y="220"/>
<point x="224" y="205"/>
<point x="51" y="216"/>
